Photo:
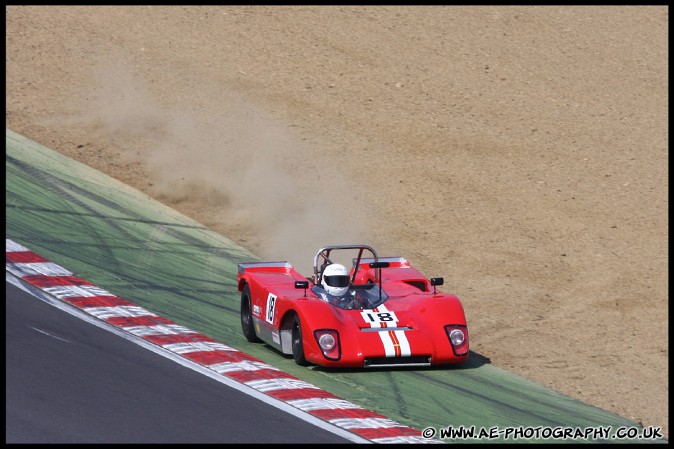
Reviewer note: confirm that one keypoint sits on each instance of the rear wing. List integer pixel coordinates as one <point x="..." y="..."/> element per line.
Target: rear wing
<point x="265" y="267"/>
<point x="267" y="273"/>
<point x="394" y="262"/>
<point x="399" y="269"/>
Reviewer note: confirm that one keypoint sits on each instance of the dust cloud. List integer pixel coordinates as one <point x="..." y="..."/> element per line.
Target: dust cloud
<point x="240" y="162"/>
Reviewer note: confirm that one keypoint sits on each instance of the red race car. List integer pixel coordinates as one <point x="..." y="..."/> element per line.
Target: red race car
<point x="380" y="312"/>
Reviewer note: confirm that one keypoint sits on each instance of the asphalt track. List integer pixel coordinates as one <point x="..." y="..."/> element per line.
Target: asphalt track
<point x="68" y="381"/>
<point x="137" y="248"/>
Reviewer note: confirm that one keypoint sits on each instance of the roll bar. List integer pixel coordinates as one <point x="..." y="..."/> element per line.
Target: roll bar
<point x="324" y="254"/>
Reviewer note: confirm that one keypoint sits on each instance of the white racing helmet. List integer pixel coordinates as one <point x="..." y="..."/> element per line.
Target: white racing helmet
<point x="335" y="279"/>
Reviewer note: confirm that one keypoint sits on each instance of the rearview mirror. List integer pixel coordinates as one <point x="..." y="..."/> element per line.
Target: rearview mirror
<point x="302" y="284"/>
<point x="436" y="281"/>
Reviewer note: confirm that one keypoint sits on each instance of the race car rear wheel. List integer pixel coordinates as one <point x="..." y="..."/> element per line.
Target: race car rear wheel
<point x="298" y="346"/>
<point x="247" y="316"/>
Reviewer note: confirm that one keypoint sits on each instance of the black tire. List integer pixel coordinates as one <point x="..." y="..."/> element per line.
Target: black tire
<point x="247" y="325"/>
<point x="297" y="344"/>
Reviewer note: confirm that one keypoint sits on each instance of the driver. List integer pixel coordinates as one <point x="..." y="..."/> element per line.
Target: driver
<point x="335" y="281"/>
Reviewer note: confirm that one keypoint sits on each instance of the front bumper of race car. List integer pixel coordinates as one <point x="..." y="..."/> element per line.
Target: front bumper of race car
<point x="395" y="347"/>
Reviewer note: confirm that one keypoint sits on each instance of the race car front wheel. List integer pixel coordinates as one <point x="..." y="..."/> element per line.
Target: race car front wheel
<point x="298" y="346"/>
<point x="247" y="316"/>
